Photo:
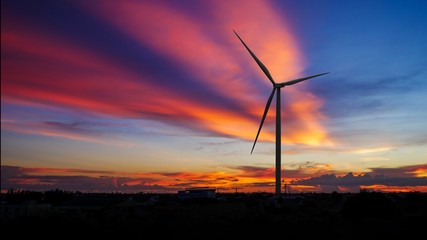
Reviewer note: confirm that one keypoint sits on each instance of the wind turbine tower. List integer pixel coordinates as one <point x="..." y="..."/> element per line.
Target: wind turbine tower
<point x="276" y="89"/>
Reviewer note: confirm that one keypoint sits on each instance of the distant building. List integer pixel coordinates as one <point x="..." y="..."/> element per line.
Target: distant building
<point x="197" y="192"/>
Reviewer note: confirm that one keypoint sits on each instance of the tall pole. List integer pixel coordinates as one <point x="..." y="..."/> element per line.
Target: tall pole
<point x="278" y="144"/>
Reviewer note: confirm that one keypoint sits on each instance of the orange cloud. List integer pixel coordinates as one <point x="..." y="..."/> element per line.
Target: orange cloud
<point x="73" y="91"/>
<point x="50" y="70"/>
<point x="275" y="45"/>
<point x="305" y="188"/>
<point x="386" y="188"/>
<point x="245" y="179"/>
<point x="372" y="150"/>
<point x="185" y="39"/>
<point x="420" y="172"/>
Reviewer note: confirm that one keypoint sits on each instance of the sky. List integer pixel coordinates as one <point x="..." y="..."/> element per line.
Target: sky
<point x="158" y="96"/>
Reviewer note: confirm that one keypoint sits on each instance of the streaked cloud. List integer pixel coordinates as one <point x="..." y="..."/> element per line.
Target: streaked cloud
<point x="166" y="65"/>
<point x="78" y="131"/>
<point x="373" y="150"/>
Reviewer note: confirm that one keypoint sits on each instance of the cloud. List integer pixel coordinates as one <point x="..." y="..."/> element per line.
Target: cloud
<point x="84" y="180"/>
<point x="41" y="179"/>
<point x="96" y="132"/>
<point x="407" y="177"/>
<point x="289" y="171"/>
<point x="107" y="181"/>
<point x="375" y="104"/>
<point x="245" y="178"/>
<point x="403" y="172"/>
<point x="156" y="62"/>
<point x="255" y="172"/>
<point x="355" y="147"/>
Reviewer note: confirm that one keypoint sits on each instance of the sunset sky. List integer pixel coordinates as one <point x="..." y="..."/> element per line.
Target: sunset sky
<point x="160" y="95"/>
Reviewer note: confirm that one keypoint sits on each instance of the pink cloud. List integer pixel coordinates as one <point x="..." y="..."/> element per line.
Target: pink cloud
<point x="51" y="70"/>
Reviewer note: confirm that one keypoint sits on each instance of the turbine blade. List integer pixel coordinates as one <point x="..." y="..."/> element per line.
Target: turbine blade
<point x="291" y="82"/>
<point x="267" y="106"/>
<point x="260" y="64"/>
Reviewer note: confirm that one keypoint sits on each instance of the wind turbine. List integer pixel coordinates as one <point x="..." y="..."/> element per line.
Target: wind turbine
<point x="276" y="88"/>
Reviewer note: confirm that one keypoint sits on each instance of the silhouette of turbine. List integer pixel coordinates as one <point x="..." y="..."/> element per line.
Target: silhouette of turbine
<point x="276" y="88"/>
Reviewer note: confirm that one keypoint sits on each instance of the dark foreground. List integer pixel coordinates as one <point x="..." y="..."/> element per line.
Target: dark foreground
<point x="58" y="214"/>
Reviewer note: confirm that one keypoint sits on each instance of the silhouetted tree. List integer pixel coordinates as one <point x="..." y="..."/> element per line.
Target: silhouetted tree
<point x="57" y="196"/>
<point x="20" y="196"/>
<point x="336" y="197"/>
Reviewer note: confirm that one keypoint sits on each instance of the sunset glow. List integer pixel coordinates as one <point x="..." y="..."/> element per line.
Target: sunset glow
<point x="160" y="95"/>
<point x="384" y="188"/>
